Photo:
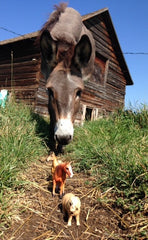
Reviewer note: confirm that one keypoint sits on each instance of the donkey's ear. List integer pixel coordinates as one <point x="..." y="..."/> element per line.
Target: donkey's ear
<point x="83" y="51"/>
<point x="48" y="49"/>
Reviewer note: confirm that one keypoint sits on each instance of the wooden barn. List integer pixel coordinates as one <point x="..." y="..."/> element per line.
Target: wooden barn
<point x="20" y="70"/>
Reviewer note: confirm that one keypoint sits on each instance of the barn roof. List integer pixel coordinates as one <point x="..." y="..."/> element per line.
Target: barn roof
<point x="20" y="38"/>
<point x="95" y="15"/>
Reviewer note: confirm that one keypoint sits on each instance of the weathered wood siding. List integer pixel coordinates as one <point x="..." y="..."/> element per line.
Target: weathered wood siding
<point x="19" y="69"/>
<point x="108" y="93"/>
<point x="41" y="106"/>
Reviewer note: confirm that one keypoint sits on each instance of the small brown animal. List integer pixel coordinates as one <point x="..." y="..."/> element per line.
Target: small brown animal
<point x="71" y="205"/>
<point x="52" y="157"/>
<point x="59" y="177"/>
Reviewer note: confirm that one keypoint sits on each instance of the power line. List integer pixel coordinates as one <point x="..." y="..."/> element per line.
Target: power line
<point x="125" y="53"/>
<point x="8" y="30"/>
<point x="136" y="53"/>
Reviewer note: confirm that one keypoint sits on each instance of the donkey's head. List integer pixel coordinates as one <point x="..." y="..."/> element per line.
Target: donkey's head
<point x="62" y="65"/>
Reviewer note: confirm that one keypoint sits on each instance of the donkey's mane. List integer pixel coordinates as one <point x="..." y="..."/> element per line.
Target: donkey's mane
<point x="54" y="17"/>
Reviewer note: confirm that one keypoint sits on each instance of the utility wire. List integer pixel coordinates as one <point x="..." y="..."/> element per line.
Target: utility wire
<point x="7" y="30"/>
<point x="136" y="53"/>
<point x="125" y="53"/>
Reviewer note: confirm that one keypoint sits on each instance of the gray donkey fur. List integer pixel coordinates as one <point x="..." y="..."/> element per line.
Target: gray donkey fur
<point x="67" y="60"/>
<point x="65" y="25"/>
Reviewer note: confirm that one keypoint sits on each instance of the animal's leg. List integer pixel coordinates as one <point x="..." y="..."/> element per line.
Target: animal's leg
<point x="52" y="142"/>
<point x="78" y="220"/>
<point x="54" y="187"/>
<point x="60" y="149"/>
<point x="69" y="220"/>
<point x="61" y="190"/>
<point x="52" y="145"/>
<point x="64" y="211"/>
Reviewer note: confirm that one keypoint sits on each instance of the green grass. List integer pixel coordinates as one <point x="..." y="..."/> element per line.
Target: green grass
<point x="115" y="150"/>
<point x="20" y="143"/>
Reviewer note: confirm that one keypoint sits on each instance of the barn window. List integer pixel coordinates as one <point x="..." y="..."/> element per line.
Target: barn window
<point x="101" y="69"/>
<point x="88" y="113"/>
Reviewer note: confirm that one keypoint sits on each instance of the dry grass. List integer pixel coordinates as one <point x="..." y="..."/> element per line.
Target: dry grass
<point x="37" y="216"/>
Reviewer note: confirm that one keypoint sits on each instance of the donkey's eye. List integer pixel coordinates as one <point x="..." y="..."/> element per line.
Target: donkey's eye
<point x="78" y="93"/>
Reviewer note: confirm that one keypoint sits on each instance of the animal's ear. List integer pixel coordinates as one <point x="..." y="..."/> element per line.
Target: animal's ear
<point x="48" y="49"/>
<point x="83" y="51"/>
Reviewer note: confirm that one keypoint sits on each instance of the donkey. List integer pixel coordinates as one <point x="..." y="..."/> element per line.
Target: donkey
<point x="67" y="60"/>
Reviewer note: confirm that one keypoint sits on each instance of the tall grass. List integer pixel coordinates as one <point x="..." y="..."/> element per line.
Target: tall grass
<point x="19" y="142"/>
<point x="22" y="140"/>
<point x="115" y="150"/>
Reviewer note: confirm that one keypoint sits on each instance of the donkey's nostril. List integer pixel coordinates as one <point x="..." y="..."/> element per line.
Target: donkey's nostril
<point x="64" y="140"/>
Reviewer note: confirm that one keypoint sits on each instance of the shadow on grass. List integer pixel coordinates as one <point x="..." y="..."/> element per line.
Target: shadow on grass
<point x="42" y="128"/>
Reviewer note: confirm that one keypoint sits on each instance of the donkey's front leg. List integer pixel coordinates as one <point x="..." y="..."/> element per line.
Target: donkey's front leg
<point x="60" y="149"/>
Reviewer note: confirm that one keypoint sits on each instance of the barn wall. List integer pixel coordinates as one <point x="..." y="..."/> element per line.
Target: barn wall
<point x="105" y="93"/>
<point x="41" y="98"/>
<point x="19" y="67"/>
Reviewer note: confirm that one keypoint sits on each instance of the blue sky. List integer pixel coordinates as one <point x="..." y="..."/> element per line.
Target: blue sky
<point x="130" y="20"/>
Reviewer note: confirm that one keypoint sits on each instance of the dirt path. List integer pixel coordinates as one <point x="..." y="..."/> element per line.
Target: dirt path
<point x="39" y="216"/>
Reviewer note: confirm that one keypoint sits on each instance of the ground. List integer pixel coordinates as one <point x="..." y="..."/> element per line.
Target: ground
<point x="38" y="216"/>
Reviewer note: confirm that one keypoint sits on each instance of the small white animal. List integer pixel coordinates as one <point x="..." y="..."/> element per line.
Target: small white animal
<point x="71" y="206"/>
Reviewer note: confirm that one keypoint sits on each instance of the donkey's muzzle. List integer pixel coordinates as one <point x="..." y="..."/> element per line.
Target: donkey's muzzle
<point x="63" y="140"/>
<point x="63" y="131"/>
